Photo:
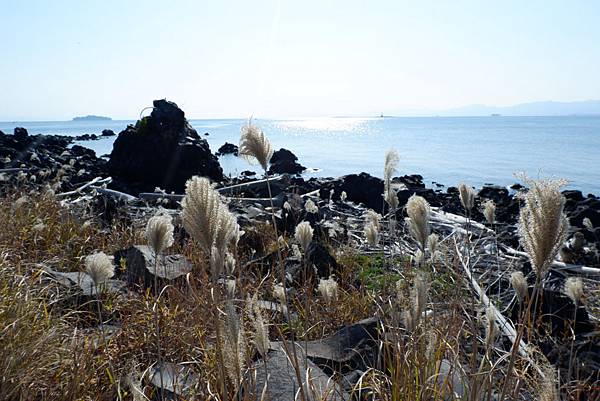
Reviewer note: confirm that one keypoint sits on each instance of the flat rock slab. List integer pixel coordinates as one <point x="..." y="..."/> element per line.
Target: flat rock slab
<point x="141" y="266"/>
<point x="84" y="282"/>
<point x="283" y="382"/>
<point x="173" y="380"/>
<point x="348" y="349"/>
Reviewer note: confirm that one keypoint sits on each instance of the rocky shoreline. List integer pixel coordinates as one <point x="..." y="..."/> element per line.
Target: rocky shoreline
<point x="152" y="160"/>
<point x="162" y="151"/>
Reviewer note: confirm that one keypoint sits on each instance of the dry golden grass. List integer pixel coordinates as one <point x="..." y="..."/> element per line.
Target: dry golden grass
<point x="51" y="348"/>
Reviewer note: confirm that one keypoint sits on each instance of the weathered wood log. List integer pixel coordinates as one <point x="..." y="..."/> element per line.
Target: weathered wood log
<point x="114" y="194"/>
<point x="97" y="180"/>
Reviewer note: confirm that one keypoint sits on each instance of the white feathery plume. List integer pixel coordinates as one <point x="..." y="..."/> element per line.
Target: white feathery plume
<point x="233" y="344"/>
<point x="390" y="166"/>
<point x="418" y="212"/>
<point x="519" y="284"/>
<point x="260" y="325"/>
<point x="254" y="145"/>
<point x="99" y="267"/>
<point x="279" y="292"/>
<point x="491" y="328"/>
<point x="311" y="207"/>
<point x="418" y="300"/>
<point x="371" y="233"/>
<point x="373" y="217"/>
<point x="574" y="289"/>
<point x="489" y="211"/>
<point x="328" y="288"/>
<point x="343" y="196"/>
<point x="304" y="235"/>
<point x="432" y="243"/>
<point x="159" y="233"/>
<point x="208" y="220"/>
<point x="542" y="224"/>
<point x="467" y="196"/>
<point x="587" y="223"/>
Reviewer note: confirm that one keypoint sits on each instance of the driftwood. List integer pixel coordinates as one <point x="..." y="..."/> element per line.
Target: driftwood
<point x="114" y="194"/>
<point x="593" y="271"/>
<point x="97" y="180"/>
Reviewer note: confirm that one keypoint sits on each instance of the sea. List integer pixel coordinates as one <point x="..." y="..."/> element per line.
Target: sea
<point x="444" y="150"/>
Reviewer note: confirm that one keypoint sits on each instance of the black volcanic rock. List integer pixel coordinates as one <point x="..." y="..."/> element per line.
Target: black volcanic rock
<point x="161" y="150"/>
<point x="360" y="188"/>
<point x="21" y="134"/>
<point x="284" y="161"/>
<point x="108" y="132"/>
<point x="228" y="149"/>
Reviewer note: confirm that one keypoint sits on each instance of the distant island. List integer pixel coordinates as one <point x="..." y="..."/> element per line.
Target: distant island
<point x="92" y="118"/>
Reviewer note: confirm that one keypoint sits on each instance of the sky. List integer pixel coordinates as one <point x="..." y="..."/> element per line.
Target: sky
<point x="269" y="58"/>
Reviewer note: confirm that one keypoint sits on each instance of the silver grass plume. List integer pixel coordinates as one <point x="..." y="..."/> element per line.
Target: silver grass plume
<point x="491" y="328"/>
<point x="418" y="212"/>
<point x="519" y="284"/>
<point x="304" y="235"/>
<point x="373" y="217"/>
<point x="261" y="327"/>
<point x="208" y="220"/>
<point x="344" y="196"/>
<point x="542" y="224"/>
<point x="159" y="233"/>
<point x="489" y="211"/>
<point x="233" y="344"/>
<point x="254" y="145"/>
<point x="311" y="207"/>
<point x="390" y="166"/>
<point x="548" y="389"/>
<point x="418" y="300"/>
<point x="432" y="243"/>
<point x="574" y="289"/>
<point x="99" y="267"/>
<point x="467" y="196"/>
<point x="328" y="289"/>
<point x="587" y="223"/>
<point x="371" y="233"/>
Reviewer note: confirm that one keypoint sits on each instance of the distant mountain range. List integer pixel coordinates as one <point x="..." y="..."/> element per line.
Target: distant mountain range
<point x="550" y="108"/>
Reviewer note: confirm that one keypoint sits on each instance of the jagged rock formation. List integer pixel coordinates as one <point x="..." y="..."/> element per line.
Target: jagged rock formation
<point x="161" y="150"/>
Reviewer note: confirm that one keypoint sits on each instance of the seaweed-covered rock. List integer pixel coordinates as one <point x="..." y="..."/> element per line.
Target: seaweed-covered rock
<point x="161" y="150"/>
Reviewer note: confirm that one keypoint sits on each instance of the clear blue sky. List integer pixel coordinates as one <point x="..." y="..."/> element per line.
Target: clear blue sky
<point x="274" y="58"/>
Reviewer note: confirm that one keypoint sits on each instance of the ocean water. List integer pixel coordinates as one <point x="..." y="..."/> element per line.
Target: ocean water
<point x="447" y="150"/>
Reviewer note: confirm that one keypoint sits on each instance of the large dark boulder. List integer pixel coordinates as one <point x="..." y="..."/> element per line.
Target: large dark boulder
<point x="228" y="149"/>
<point x="161" y="150"/>
<point x="284" y="161"/>
<point x="360" y="188"/>
<point x="108" y="132"/>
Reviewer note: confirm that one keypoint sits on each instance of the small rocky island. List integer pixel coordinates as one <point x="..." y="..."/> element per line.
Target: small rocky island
<point x="91" y="117"/>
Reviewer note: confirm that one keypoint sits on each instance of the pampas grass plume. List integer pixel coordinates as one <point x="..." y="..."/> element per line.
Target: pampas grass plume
<point x="99" y="267"/>
<point x="304" y="235"/>
<point x="574" y="289"/>
<point x="206" y="218"/>
<point x="418" y="211"/>
<point x="159" y="233"/>
<point x="371" y="233"/>
<point x="542" y="224"/>
<point x="519" y="284"/>
<point x="254" y="145"/>
<point x="467" y="196"/>
<point x="311" y="207"/>
<point x="328" y="289"/>
<point x="390" y="166"/>
<point x="489" y="211"/>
